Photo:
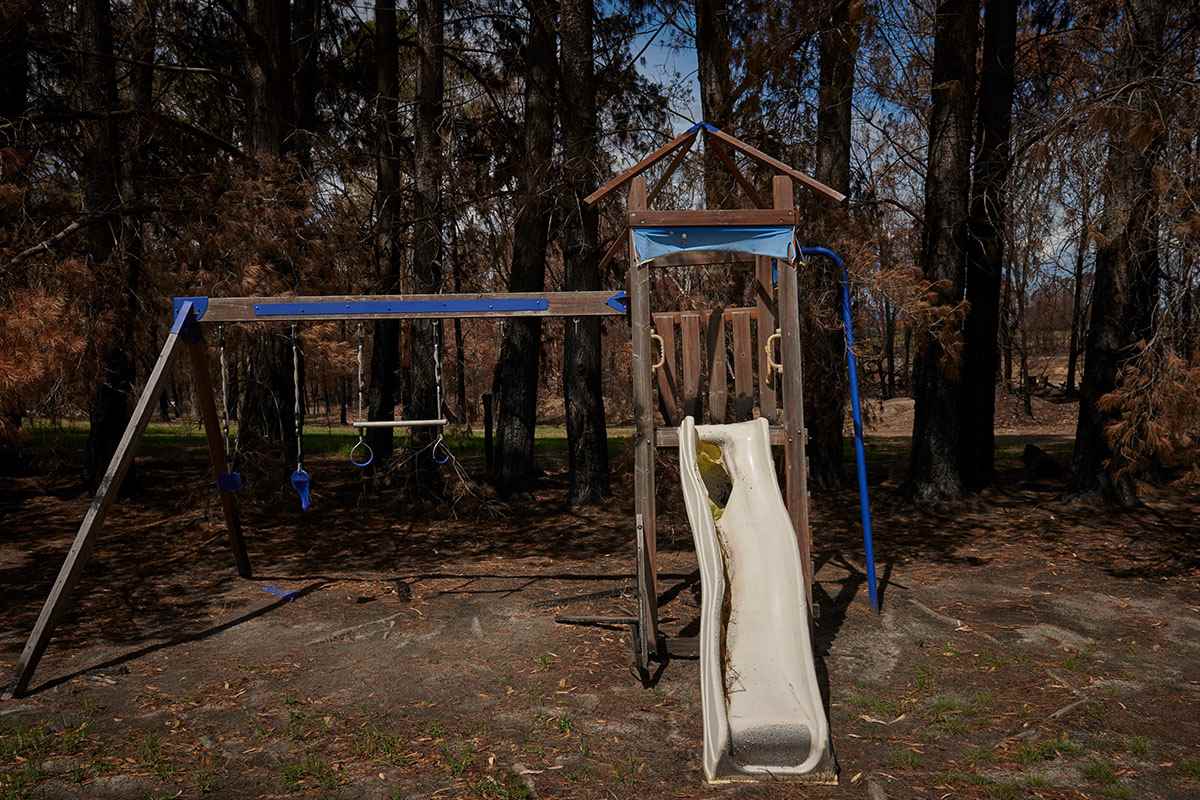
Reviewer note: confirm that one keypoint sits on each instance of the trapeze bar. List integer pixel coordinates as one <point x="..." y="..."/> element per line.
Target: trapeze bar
<point x="399" y="423"/>
<point x="413" y="306"/>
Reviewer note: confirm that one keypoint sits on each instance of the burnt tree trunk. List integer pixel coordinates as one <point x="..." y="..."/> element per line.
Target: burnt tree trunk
<point x="113" y="305"/>
<point x="517" y="369"/>
<point x="826" y="382"/>
<point x="1127" y="271"/>
<point x="714" y="57"/>
<point x="1077" y="306"/>
<point x="385" y="343"/>
<point x="268" y="392"/>
<point x="985" y="246"/>
<point x="428" y="246"/>
<point x="583" y="393"/>
<point x="307" y="48"/>
<point x="14" y="65"/>
<point x="937" y="428"/>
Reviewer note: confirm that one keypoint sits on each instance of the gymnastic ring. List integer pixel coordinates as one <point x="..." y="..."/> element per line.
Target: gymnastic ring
<point x="362" y="463"/>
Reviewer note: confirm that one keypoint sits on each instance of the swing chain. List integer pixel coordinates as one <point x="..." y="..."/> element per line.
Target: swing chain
<point x="361" y="444"/>
<point x="297" y="411"/>
<point x="224" y="388"/>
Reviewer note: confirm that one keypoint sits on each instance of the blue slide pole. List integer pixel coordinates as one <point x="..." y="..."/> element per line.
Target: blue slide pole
<point x="860" y="456"/>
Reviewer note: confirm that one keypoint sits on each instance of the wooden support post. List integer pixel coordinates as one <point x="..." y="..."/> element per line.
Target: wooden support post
<point x="93" y="520"/>
<point x="643" y="409"/>
<point x="767" y="323"/>
<point x="207" y="406"/>
<point x="795" y="445"/>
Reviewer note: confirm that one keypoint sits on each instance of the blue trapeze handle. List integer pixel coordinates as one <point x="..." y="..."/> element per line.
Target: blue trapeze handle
<point x="300" y="482"/>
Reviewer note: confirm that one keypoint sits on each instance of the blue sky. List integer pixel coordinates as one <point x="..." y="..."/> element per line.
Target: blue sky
<point x="661" y="62"/>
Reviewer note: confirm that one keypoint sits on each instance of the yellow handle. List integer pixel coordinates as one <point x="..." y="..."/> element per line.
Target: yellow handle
<point x="770" y="348"/>
<point x="662" y="351"/>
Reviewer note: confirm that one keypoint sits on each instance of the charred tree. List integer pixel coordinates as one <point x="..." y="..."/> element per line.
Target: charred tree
<point x="825" y="342"/>
<point x="385" y="343"/>
<point x="714" y="56"/>
<point x="14" y="62"/>
<point x="587" y="436"/>
<point x="937" y="428"/>
<point x="1077" y="304"/>
<point x="517" y="369"/>
<point x="268" y="392"/>
<point x="1127" y="272"/>
<point x="428" y="227"/>
<point x="985" y="245"/>
<point x="116" y="277"/>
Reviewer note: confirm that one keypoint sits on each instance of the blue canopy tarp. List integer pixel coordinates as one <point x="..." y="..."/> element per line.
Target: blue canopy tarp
<point x="773" y="241"/>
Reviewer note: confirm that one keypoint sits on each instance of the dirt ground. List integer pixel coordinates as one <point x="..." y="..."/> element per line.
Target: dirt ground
<point x="1029" y="645"/>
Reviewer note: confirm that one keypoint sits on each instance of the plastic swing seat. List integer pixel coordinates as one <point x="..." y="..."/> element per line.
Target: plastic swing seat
<point x="300" y="482"/>
<point x="229" y="481"/>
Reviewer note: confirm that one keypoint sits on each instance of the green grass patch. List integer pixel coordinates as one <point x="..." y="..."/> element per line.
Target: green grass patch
<point x="1006" y="790"/>
<point x="1099" y="770"/>
<point x="458" y="761"/>
<point x="511" y="788"/>
<point x="905" y="759"/>
<point x="1046" y="750"/>
<point x="1138" y="746"/>
<point x="879" y="706"/>
<point x="379" y="745"/>
<point x="1118" y="791"/>
<point x="1191" y="768"/>
<point x="150" y="754"/>
<point x="308" y="771"/>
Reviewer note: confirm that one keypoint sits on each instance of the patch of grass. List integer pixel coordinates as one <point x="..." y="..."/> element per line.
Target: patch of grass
<point x="948" y="714"/>
<point x="513" y="788"/>
<point x="1118" y="791"/>
<point x="379" y="745"/>
<point x="72" y="740"/>
<point x="24" y="742"/>
<point x="564" y="724"/>
<point x="923" y="678"/>
<point x="905" y="759"/>
<point x="204" y="779"/>
<point x="435" y="730"/>
<point x="150" y="754"/>
<point x="1100" y="771"/>
<point x="458" y="761"/>
<point x="18" y="784"/>
<point x="1191" y="768"/>
<point x="962" y="776"/>
<point x="1045" y="750"/>
<point x="1006" y="790"/>
<point x="1138" y="746"/>
<point x="545" y="661"/>
<point x="879" y="706"/>
<point x="976" y="755"/>
<point x="310" y="770"/>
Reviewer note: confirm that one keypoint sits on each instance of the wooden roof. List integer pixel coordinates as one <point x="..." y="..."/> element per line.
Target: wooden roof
<point x="684" y="141"/>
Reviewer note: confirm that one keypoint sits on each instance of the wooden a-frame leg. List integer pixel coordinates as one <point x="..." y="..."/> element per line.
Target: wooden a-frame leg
<point x="93" y="520"/>
<point x="206" y="400"/>
<point x="644" y="446"/>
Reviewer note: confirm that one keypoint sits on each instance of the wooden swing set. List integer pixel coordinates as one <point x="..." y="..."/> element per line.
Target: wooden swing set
<point x="691" y="381"/>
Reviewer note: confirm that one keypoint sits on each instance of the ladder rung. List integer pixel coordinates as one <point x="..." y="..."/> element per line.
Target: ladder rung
<point x="669" y="437"/>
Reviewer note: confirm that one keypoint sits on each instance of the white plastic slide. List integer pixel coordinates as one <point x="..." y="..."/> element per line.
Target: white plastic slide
<point x="763" y="715"/>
